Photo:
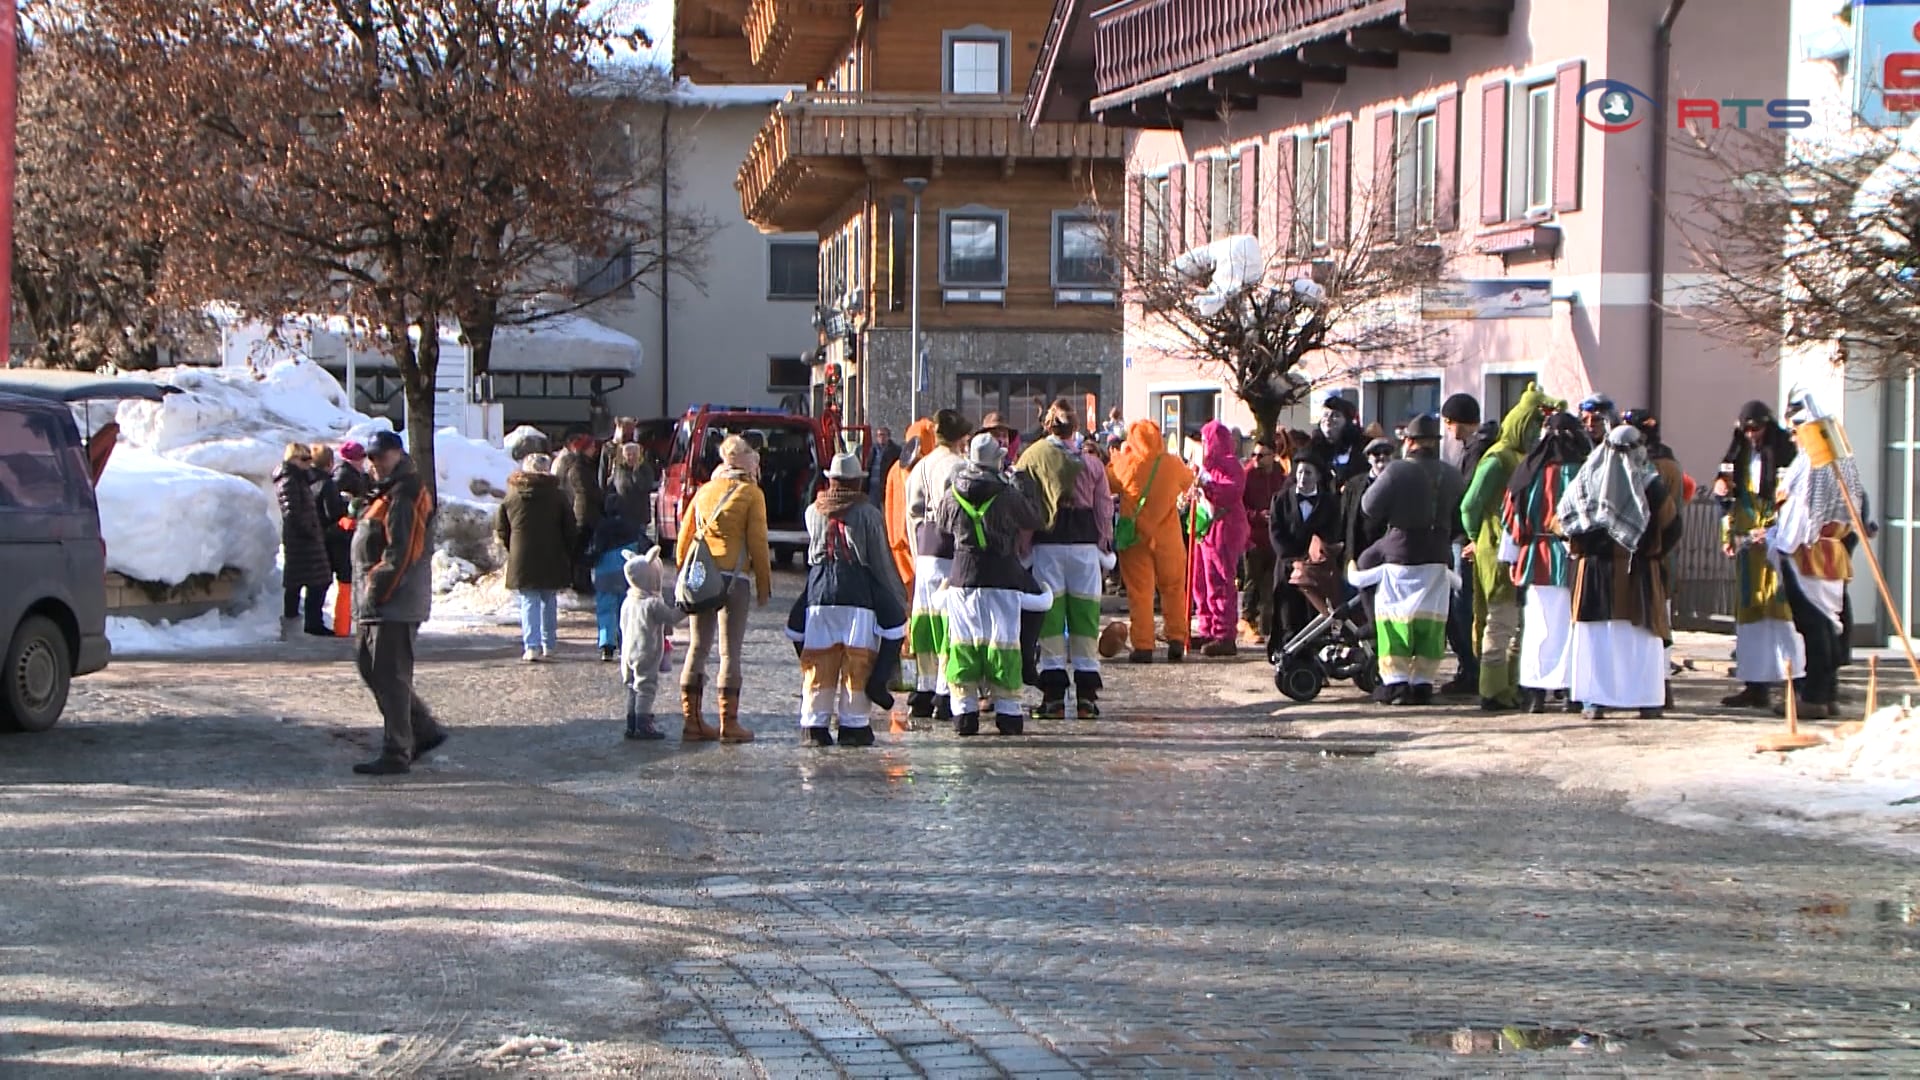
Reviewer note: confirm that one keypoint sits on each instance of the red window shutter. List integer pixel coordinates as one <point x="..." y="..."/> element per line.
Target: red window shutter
<point x="1202" y="200"/>
<point x="1176" y="211"/>
<point x="1384" y="192"/>
<point x="1286" y="190"/>
<point x="1446" y="131"/>
<point x="1340" y="149"/>
<point x="1493" y="153"/>
<point x="1250" y="189"/>
<point x="1569" y="135"/>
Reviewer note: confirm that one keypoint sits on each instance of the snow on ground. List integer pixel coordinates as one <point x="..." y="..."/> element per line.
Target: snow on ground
<point x="476" y="602"/>
<point x="137" y="637"/>
<point x="166" y="521"/>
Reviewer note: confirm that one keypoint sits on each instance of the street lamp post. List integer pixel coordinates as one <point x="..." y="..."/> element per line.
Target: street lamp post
<point x="917" y="185"/>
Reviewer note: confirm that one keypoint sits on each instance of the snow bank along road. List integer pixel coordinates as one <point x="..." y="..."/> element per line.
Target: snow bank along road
<point x="193" y="885"/>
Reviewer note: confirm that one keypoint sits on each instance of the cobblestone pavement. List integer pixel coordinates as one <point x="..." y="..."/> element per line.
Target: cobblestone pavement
<point x="1186" y="888"/>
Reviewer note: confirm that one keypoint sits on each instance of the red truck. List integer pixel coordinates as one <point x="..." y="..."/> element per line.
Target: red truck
<point x="794" y="452"/>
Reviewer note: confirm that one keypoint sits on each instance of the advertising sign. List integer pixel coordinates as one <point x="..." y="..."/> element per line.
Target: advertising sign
<point x="1886" y="62"/>
<point x="1496" y="298"/>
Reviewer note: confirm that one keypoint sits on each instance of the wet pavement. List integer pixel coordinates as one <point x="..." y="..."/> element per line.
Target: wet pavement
<point x="1184" y="888"/>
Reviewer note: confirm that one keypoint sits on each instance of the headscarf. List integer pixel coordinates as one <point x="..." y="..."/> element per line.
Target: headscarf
<point x="1610" y="491"/>
<point x="1563" y="443"/>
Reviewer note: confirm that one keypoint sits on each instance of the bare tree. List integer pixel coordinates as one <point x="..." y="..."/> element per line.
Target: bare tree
<point x="1334" y="294"/>
<point x="1809" y="242"/>
<point x="409" y="163"/>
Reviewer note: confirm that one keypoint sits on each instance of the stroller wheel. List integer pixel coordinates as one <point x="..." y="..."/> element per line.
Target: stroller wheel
<point x="1301" y="682"/>
<point x="1367" y="679"/>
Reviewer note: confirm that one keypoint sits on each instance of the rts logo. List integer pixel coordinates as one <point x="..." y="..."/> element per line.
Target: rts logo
<point x="1611" y="106"/>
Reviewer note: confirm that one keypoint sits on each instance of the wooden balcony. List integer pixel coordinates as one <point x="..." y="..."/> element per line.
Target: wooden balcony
<point x="1159" y="62"/>
<point x="817" y="148"/>
<point x="797" y="41"/>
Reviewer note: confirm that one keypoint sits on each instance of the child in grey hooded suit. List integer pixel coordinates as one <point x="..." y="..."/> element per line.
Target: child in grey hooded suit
<point x="645" y="620"/>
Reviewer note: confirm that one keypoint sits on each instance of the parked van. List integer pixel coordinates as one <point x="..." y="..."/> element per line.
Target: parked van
<point x="53" y="561"/>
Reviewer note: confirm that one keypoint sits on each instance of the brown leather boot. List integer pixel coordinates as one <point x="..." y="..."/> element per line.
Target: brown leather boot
<point x="730" y="729"/>
<point x="693" y="728"/>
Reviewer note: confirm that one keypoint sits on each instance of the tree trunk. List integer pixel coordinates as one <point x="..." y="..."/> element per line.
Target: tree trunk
<point x="1266" y="420"/>
<point x="418" y="365"/>
<point x="478" y="327"/>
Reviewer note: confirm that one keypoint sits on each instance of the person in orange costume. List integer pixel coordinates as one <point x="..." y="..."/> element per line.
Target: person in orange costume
<point x="1147" y="482"/>
<point x="919" y="443"/>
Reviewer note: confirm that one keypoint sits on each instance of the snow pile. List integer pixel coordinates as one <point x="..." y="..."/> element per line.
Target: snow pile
<point x="526" y="439"/>
<point x="482" y="601"/>
<point x="450" y="570"/>
<point x="210" y="631"/>
<point x="166" y="521"/>
<point x="470" y="469"/>
<point x="1887" y="747"/>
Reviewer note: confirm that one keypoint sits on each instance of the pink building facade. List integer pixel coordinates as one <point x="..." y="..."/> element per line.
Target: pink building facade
<point x="1464" y="120"/>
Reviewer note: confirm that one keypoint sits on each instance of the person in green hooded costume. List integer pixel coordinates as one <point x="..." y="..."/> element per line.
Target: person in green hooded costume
<point x="1496" y="606"/>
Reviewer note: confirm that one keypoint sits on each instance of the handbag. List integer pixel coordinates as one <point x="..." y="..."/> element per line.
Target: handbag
<point x="701" y="586"/>
<point x="1202" y="518"/>
<point x="1126" y="531"/>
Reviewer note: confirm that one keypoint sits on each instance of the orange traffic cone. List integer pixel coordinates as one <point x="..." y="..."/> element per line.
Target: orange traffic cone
<point x="342" y="611"/>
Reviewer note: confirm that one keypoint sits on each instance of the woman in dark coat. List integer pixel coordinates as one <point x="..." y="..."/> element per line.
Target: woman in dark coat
<point x="1304" y="524"/>
<point x="536" y="526"/>
<point x="334" y="507"/>
<point x="302" y="540"/>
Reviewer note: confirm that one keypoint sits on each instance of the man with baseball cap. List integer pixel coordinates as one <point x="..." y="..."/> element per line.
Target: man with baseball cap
<point x="393" y="595"/>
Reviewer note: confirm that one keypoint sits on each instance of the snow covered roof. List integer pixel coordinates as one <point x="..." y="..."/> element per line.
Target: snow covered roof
<point x="565" y="343"/>
<point x="721" y="97"/>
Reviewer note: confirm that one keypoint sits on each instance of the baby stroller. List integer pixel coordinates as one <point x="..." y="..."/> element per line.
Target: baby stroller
<point x="1337" y="644"/>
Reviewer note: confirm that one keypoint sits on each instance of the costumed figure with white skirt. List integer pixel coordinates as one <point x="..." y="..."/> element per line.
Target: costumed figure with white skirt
<point x="1409" y="568"/>
<point x="1619" y="524"/>
<point x="929" y="483"/>
<point x="1541" y="562"/>
<point x="1072" y="551"/>
<point x="852" y="617"/>
<point x="1767" y="649"/>
<point x="983" y="515"/>
<point x="1807" y="544"/>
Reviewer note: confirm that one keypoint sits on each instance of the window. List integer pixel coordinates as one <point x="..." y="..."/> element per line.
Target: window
<point x="1537" y="186"/>
<point x="1503" y="393"/>
<point x="598" y="276"/>
<point x="1396" y="401"/>
<point x="1320" y="209"/>
<point x="1080" y="251"/>
<point x="1426" y="170"/>
<point x="611" y="149"/>
<point x="788" y="373"/>
<point x="1223" y="210"/>
<point x="1183" y="414"/>
<point x="31" y="473"/>
<point x="1021" y="398"/>
<point x="1155" y="194"/>
<point x="793" y="270"/>
<point x="977" y="62"/>
<point x="973" y="248"/>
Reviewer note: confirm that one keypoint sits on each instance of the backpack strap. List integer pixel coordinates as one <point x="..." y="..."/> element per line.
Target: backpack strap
<point x="1148" y="490"/>
<point x="976" y="514"/>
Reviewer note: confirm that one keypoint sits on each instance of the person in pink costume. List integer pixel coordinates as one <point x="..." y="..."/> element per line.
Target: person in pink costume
<point x="1216" y="557"/>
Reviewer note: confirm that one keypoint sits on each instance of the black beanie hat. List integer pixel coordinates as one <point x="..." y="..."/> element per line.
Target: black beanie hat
<point x="1756" y="412"/>
<point x="1461" y="409"/>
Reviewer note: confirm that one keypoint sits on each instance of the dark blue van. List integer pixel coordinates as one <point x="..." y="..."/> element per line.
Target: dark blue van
<point x="53" y="609"/>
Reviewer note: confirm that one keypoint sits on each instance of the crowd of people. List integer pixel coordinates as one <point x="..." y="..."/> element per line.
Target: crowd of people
<point x="967" y="567"/>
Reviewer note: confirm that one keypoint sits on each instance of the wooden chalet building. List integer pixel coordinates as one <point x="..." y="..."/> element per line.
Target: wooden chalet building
<point x="1018" y="302"/>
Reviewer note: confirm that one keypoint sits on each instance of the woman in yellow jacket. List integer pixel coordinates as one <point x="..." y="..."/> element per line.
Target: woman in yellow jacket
<point x="731" y="512"/>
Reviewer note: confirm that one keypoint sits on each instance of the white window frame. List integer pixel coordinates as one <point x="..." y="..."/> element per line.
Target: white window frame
<point x="1426" y="170"/>
<point x="1063" y="218"/>
<point x="1533" y="171"/>
<point x="1223" y="197"/>
<point x="973" y="213"/>
<point x="976" y="35"/>
<point x="795" y="240"/>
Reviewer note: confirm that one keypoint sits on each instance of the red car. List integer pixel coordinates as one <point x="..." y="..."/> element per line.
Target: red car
<point x="794" y="452"/>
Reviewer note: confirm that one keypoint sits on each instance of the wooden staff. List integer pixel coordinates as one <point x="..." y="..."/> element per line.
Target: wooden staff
<point x="1820" y="438"/>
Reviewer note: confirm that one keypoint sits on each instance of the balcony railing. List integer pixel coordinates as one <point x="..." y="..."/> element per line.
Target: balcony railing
<point x="808" y="130"/>
<point x="1158" y="37"/>
<point x="798" y="40"/>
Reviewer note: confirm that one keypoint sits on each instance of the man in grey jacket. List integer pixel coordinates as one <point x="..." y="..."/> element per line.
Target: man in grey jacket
<point x="393" y="595"/>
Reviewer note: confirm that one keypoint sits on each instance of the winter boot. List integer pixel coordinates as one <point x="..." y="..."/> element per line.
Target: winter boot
<point x="1420" y="694"/>
<point x="1053" y="696"/>
<point x="642" y="727"/>
<point x="1533" y="701"/>
<point x="731" y="730"/>
<point x="942" y="708"/>
<point x="1176" y="651"/>
<point x="693" y="728"/>
<point x="856" y="736"/>
<point x="1086" y="691"/>
<point x="816" y="736"/>
<point x="1010" y="725"/>
<point x="1390" y="693"/>
<point x="606" y="654"/>
<point x="966" y="724"/>
<point x="1221" y="648"/>
<point x="384" y="765"/>
<point x="920" y="705"/>
<point x="1140" y="656"/>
